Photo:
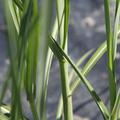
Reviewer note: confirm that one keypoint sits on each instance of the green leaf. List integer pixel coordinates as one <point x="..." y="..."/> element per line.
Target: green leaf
<point x="79" y="62"/>
<point x="71" y="74"/>
<point x="110" y="52"/>
<point x="115" y="110"/>
<point x="61" y="55"/>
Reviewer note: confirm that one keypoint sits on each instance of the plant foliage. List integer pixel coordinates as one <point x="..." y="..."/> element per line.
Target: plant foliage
<point x="32" y="42"/>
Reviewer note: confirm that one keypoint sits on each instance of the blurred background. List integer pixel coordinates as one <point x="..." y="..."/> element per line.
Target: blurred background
<point x="86" y="31"/>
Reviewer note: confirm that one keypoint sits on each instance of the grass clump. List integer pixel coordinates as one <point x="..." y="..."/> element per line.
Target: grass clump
<point x="32" y="42"/>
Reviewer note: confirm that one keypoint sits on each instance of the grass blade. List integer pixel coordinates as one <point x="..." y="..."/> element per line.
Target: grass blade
<point x="116" y="107"/>
<point x="86" y="69"/>
<point x="114" y="41"/>
<point x="45" y="22"/>
<point x="110" y="51"/>
<point x="60" y="105"/>
<point x="63" y="19"/>
<point x="79" y="62"/>
<point x="61" y="54"/>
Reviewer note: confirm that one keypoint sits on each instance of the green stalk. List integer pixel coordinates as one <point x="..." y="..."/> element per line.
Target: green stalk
<point x="61" y="56"/>
<point x="47" y="69"/>
<point x="71" y="74"/>
<point x="63" y="24"/>
<point x="67" y="99"/>
<point x="85" y="70"/>
<point x="114" y="40"/>
<point x="16" y="109"/>
<point x="33" y="108"/>
<point x="45" y="22"/>
<point x="110" y="52"/>
<point x="114" y="114"/>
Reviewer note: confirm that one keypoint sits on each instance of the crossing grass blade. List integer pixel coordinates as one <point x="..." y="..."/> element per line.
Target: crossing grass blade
<point x="61" y="55"/>
<point x="19" y="4"/>
<point x="79" y="62"/>
<point x="99" y="52"/>
<point x="60" y="105"/>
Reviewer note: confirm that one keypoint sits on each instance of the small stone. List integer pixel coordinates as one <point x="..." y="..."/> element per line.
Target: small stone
<point x="118" y="55"/>
<point x="7" y="61"/>
<point x="89" y="21"/>
<point x="76" y="117"/>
